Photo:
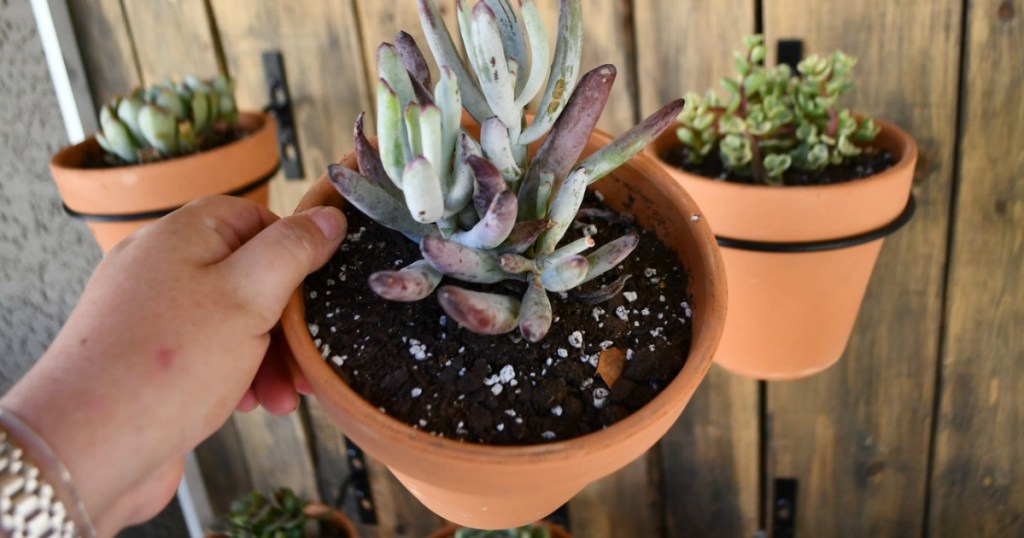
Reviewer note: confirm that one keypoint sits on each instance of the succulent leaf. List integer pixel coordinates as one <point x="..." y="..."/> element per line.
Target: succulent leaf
<point x="461" y="262"/>
<point x="115" y="137"/>
<point x="422" y="190"/>
<point x="535" y="314"/>
<point x="495" y="142"/>
<point x="512" y="41"/>
<point x="391" y="69"/>
<point x="563" y="208"/>
<point x="482" y="313"/>
<point x="392" y="137"/>
<point x="605" y="160"/>
<point x="488" y="183"/>
<point x="514" y="263"/>
<point x="411" y="283"/>
<point x="564" y="273"/>
<point x="523" y="235"/>
<point x="489" y="62"/>
<point x="461" y="188"/>
<point x="564" y="69"/>
<point x="573" y="248"/>
<point x="375" y="202"/>
<point x="159" y="128"/>
<point x="412" y="58"/>
<point x="495" y="226"/>
<point x="610" y="254"/>
<point x="369" y="162"/>
<point x="445" y="54"/>
<point x="539" y="53"/>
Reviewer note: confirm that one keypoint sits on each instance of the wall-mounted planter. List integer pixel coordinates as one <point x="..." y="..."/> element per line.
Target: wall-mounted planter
<point x="798" y="259"/>
<point x="114" y="202"/>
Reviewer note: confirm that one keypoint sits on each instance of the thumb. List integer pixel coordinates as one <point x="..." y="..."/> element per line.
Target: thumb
<point x="268" y="267"/>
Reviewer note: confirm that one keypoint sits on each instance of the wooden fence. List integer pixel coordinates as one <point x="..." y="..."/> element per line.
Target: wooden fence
<point x="919" y="430"/>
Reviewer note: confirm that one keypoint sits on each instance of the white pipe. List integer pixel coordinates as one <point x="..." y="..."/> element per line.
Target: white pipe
<point x="66" y="68"/>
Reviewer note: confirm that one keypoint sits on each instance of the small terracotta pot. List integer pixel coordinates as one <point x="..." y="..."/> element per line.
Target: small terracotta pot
<point x="115" y="202"/>
<point x="791" y="314"/>
<point x="448" y="531"/>
<point x="500" y="487"/>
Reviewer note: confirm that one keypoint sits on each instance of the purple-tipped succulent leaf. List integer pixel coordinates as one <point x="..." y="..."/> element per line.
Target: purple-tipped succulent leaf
<point x="535" y="313"/>
<point x="411" y="283"/>
<point x="488" y="183"/>
<point x="375" y="202"/>
<point x="599" y="295"/>
<point x="412" y="58"/>
<point x="495" y="226"/>
<point x="605" y="160"/>
<point x="564" y="273"/>
<point x="482" y="313"/>
<point x="523" y="236"/>
<point x="462" y="262"/>
<point x="369" y="162"/>
<point x="610" y="255"/>
<point x="392" y="70"/>
<point x="564" y="144"/>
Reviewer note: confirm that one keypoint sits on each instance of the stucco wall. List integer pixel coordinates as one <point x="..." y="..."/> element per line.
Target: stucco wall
<point x="45" y="257"/>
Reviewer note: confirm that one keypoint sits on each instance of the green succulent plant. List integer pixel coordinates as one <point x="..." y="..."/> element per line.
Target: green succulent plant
<point x="526" y="531"/>
<point x="167" y="119"/>
<point x="482" y="211"/>
<point x="279" y="515"/>
<point x="773" y="119"/>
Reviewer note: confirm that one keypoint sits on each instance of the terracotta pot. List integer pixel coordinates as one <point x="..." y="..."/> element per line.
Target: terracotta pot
<point x="115" y="202"/>
<point x="495" y="487"/>
<point x="791" y="314"/>
<point x="448" y="531"/>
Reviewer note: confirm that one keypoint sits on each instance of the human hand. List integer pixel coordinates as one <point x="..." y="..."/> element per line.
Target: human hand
<point x="172" y="333"/>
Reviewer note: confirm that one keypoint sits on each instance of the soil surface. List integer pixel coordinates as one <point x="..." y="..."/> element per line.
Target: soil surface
<point x="871" y="161"/>
<point x="414" y="363"/>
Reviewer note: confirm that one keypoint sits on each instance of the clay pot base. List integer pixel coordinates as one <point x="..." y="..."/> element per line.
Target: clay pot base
<point x="415" y="364"/>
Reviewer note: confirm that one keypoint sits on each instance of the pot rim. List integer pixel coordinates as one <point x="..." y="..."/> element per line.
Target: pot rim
<point x="895" y="139"/>
<point x="666" y="402"/>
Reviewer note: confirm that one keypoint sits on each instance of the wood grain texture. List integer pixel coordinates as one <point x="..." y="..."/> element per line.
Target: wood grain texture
<point x="222" y="460"/>
<point x="323" y="61"/>
<point x="856" y="437"/>
<point x="400" y="515"/>
<point x="978" y="472"/>
<point x="172" y="39"/>
<point x="625" y="503"/>
<point x="277" y="452"/>
<point x="685" y="45"/>
<point x="709" y="459"/>
<point x="106" y="48"/>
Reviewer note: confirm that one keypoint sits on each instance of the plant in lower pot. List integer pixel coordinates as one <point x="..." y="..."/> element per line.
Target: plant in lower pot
<point x="546" y="361"/>
<point x="159" y="148"/>
<point x="800" y="192"/>
<point x="283" y="514"/>
<point x="534" y="530"/>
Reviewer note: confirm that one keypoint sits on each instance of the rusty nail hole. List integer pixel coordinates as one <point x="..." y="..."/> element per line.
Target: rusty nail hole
<point x="1006" y="11"/>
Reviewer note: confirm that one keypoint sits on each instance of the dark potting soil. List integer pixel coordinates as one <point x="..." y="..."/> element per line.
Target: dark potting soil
<point x="414" y="363"/>
<point x="871" y="161"/>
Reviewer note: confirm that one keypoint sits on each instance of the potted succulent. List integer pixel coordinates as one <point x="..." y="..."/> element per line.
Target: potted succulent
<point x="543" y="529"/>
<point x="800" y="192"/>
<point x="551" y="356"/>
<point x="283" y="514"/>
<point x="161" y="147"/>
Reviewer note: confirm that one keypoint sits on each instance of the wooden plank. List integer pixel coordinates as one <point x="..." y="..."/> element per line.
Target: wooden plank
<point x="626" y="503"/>
<point x="709" y="459"/>
<point x="106" y="47"/>
<point x="323" y="60"/>
<point x="277" y="452"/>
<point x="225" y="473"/>
<point x="172" y="39"/>
<point x="399" y="514"/>
<point x="685" y="45"/>
<point x="856" y="436"/>
<point x="978" y="471"/>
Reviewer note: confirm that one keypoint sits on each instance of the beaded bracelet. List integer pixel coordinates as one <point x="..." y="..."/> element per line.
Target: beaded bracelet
<point x="37" y="497"/>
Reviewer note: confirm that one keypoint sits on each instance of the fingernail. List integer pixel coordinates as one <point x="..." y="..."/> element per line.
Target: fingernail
<point x="330" y="221"/>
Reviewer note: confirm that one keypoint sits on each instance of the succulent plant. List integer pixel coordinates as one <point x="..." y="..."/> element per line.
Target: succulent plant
<point x="167" y="119"/>
<point x="484" y="212"/>
<point x="772" y="119"/>
<point x="526" y="531"/>
<point x="280" y="515"/>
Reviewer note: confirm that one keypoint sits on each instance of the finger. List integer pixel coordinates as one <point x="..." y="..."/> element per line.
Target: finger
<point x="273" y="387"/>
<point x="268" y="268"/>
<point x="248" y="402"/>
<point x="209" y="229"/>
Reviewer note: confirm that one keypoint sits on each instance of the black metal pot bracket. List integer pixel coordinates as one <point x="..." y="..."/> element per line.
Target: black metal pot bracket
<point x="784" y="508"/>
<point x="281" y="107"/>
<point x="828" y="244"/>
<point x="358" y="481"/>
